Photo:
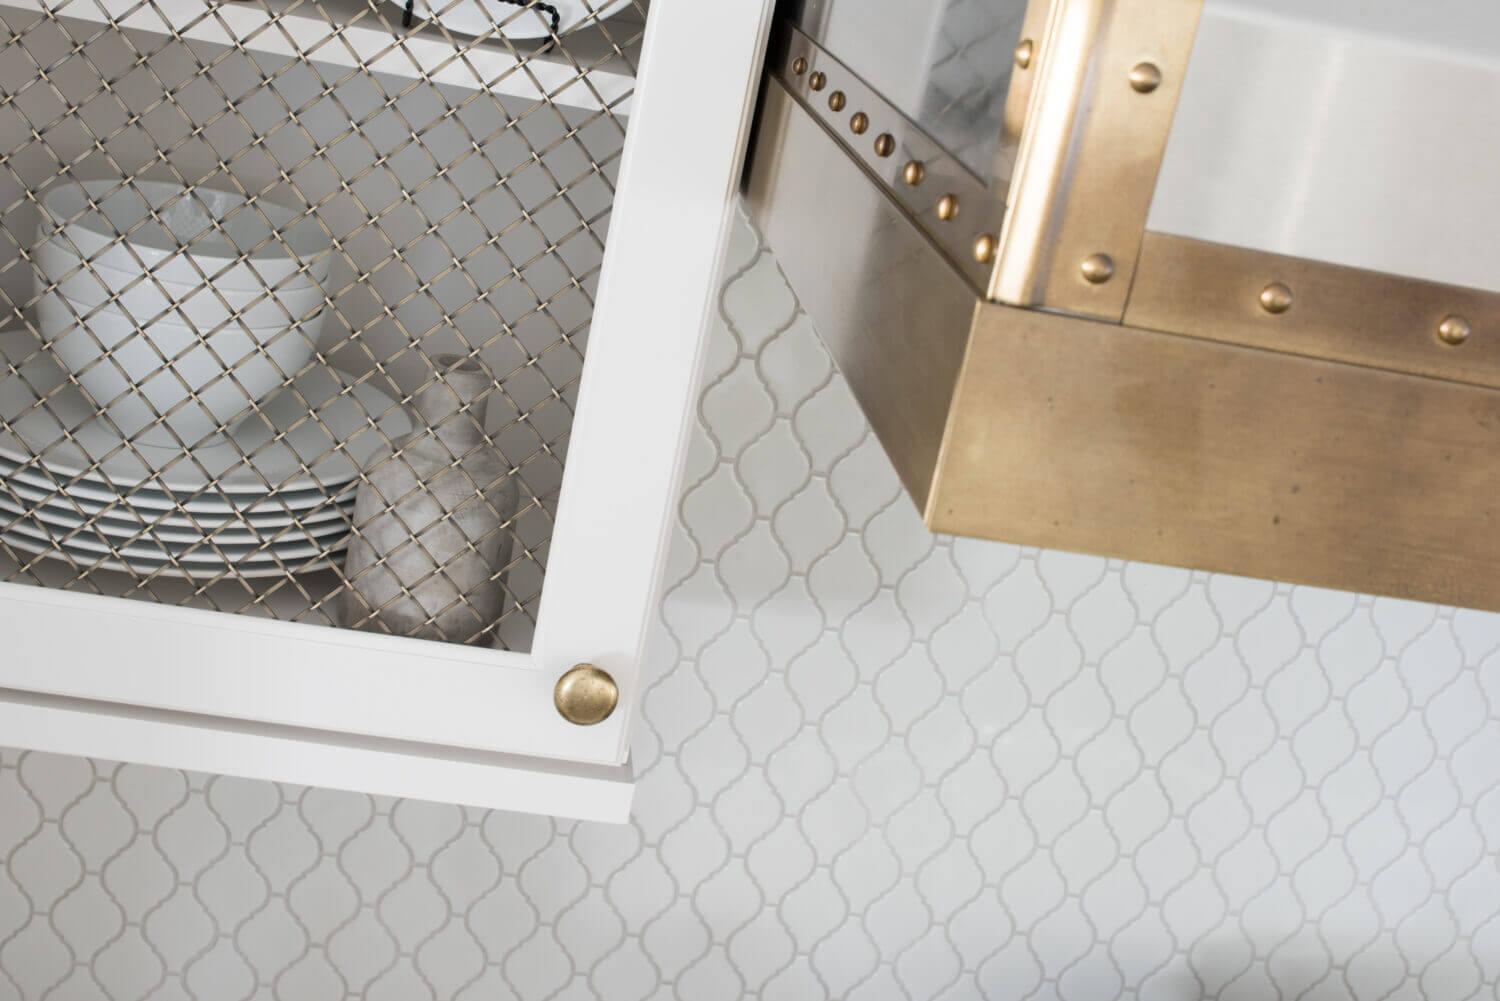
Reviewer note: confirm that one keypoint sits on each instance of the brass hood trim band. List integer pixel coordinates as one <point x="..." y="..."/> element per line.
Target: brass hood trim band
<point x="1101" y="103"/>
<point x="1221" y="293"/>
<point x="1074" y="434"/>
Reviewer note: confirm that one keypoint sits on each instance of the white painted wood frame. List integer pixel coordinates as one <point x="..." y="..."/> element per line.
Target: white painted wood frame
<point x="135" y="681"/>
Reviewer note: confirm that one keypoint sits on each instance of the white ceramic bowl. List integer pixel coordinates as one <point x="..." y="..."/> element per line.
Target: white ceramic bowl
<point x="131" y="364"/>
<point x="132" y="372"/>
<point x="145" y="298"/>
<point x="184" y="247"/>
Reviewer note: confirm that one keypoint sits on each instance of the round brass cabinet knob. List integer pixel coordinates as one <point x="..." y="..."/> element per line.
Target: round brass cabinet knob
<point x="1023" y="53"/>
<point x="586" y="695"/>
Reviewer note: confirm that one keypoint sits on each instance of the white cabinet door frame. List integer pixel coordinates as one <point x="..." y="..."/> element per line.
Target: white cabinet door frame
<point x="132" y="680"/>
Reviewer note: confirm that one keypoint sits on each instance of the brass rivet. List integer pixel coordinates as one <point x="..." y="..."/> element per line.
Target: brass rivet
<point x="859" y="123"/>
<point x="1454" y="330"/>
<point x="817" y="80"/>
<point x="1098" y="268"/>
<point x="984" y="248"/>
<point x="586" y="695"/>
<point x="799" y="66"/>
<point x="1023" y="54"/>
<point x="836" y="100"/>
<point x="1145" y="77"/>
<point x="885" y="145"/>
<point x="947" y="207"/>
<point x="1276" y="298"/>
<point x="913" y="172"/>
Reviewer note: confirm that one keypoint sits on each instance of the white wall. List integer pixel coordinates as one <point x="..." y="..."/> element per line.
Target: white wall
<point x="876" y="765"/>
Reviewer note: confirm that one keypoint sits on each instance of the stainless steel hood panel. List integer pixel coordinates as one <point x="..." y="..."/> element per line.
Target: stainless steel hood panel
<point x="945" y="63"/>
<point x="893" y="312"/>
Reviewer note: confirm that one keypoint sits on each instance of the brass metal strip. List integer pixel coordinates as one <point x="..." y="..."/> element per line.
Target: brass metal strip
<point x="1312" y="308"/>
<point x="1080" y="435"/>
<point x="955" y="209"/>
<point x="1028" y="56"/>
<point x="1099" y="115"/>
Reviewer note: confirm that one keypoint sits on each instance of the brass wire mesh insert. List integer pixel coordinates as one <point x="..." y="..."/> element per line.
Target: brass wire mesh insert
<point x="248" y="250"/>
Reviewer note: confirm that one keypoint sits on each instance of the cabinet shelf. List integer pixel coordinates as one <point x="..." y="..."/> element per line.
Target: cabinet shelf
<point x="593" y="70"/>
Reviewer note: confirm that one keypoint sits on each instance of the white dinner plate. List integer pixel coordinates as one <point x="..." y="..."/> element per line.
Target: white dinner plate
<point x="480" y="17"/>
<point x="30" y="536"/>
<point x="86" y="540"/>
<point x="314" y="434"/>
<point x="184" y="571"/>
<point x="94" y="497"/>
<point x="172" y="537"/>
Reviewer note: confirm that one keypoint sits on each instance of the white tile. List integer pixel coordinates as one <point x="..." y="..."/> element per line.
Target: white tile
<point x="781" y="860"/>
<point x="843" y="579"/>
<point x="885" y="781"/>
<point x="876" y="635"/>
<point x="758" y="303"/>
<point x="829" y="424"/>
<point x="844" y="958"/>
<point x="713" y="758"/>
<point x="773" y="467"/>
<point x="717" y="511"/>
<point x="760" y="950"/>
<point x="931" y="593"/>
<point x="1102" y="617"/>
<point x="808" y="525"/>
<point x="864" y="483"/>
<point x="813" y="909"/>
<point x="794" y="364"/>
<point x="694" y="849"/>
<point x="1069" y="576"/>
<point x="179" y="929"/>
<point x="928" y="965"/>
<point x="588" y="930"/>
<point x="45" y="867"/>
<point x="86" y="919"/>
<point x="898" y="541"/>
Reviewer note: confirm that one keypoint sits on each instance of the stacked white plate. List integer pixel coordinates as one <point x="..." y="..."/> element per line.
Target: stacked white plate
<point x="272" y="496"/>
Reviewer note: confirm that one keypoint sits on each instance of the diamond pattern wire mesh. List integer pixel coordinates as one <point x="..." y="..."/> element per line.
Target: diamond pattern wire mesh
<point x="875" y="765"/>
<point x="417" y="201"/>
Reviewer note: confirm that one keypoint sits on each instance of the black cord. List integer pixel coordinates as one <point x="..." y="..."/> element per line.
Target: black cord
<point x="547" y="8"/>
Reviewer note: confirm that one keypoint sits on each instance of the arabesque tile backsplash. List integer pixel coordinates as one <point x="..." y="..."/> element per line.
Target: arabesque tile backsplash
<point x="874" y="764"/>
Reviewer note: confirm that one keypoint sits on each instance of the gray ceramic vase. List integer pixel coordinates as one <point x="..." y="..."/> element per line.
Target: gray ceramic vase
<point x="431" y="522"/>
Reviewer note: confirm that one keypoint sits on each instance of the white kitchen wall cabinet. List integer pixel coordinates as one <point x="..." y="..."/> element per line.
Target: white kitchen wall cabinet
<point x="545" y="202"/>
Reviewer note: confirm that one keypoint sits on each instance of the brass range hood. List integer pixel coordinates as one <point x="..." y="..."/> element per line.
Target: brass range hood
<point x="1210" y="283"/>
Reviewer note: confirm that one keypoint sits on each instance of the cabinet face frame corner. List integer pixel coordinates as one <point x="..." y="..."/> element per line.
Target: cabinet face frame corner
<point x="196" y="689"/>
